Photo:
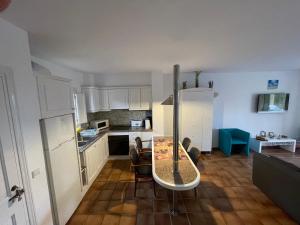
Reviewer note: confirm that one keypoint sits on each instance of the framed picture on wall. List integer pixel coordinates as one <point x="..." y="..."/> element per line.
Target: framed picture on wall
<point x="273" y="84"/>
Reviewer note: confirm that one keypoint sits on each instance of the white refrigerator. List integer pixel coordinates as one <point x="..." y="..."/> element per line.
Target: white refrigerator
<point x="62" y="166"/>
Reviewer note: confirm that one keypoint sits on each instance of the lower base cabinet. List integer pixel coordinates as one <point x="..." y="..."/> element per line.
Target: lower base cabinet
<point x="96" y="156"/>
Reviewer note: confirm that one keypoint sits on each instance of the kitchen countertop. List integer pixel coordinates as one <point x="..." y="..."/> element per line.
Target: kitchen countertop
<point x="162" y="166"/>
<point x="112" y="129"/>
<point x="128" y="129"/>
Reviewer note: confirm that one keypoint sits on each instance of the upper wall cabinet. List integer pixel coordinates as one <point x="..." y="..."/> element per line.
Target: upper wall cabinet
<point x="108" y="98"/>
<point x="92" y="99"/>
<point x="134" y="98"/>
<point x="118" y="98"/>
<point x="80" y="109"/>
<point x="140" y="98"/>
<point x="55" y="96"/>
<point x="96" y="99"/>
<point x="146" y="98"/>
<point x="104" y="100"/>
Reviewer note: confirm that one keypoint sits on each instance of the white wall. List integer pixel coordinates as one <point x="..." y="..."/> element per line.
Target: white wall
<point x="236" y="102"/>
<point x="157" y="80"/>
<point x="14" y="53"/>
<point x="122" y="79"/>
<point x="58" y="70"/>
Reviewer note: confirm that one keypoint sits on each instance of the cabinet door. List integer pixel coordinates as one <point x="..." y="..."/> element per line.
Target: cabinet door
<point x="146" y="98"/>
<point x="118" y="98"/>
<point x="106" y="148"/>
<point x="55" y="96"/>
<point x="134" y="98"/>
<point x="103" y="100"/>
<point x="92" y="98"/>
<point x="80" y="109"/>
<point x="91" y="162"/>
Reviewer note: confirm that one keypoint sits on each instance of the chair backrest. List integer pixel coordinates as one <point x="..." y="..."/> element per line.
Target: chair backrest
<point x="186" y="143"/>
<point x="134" y="156"/>
<point x="194" y="154"/>
<point x="139" y="143"/>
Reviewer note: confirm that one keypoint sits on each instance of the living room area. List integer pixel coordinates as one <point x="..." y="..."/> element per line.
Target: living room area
<point x="240" y="183"/>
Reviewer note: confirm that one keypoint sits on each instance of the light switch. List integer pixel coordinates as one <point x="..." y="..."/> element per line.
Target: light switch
<point x="35" y="173"/>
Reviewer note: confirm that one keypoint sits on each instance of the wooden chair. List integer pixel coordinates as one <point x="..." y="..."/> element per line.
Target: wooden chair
<point x="145" y="153"/>
<point x="194" y="154"/>
<point x="142" y="170"/>
<point x="186" y="143"/>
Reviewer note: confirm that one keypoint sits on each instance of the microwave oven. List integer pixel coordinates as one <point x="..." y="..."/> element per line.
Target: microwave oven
<point x="100" y="124"/>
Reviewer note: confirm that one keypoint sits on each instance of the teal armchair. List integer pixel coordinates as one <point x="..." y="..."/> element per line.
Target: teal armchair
<point x="233" y="136"/>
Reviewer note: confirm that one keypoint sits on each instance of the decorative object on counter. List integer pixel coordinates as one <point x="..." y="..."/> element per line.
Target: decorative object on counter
<point x="279" y="136"/>
<point x="147" y="124"/>
<point x="184" y="85"/>
<point x="263" y="133"/>
<point x="136" y="123"/>
<point x="89" y="133"/>
<point x="197" y="78"/>
<point x="271" y="134"/>
<point x="261" y="138"/>
<point x="273" y="84"/>
<point x="210" y="84"/>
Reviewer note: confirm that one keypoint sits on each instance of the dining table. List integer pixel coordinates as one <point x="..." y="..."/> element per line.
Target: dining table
<point x="187" y="176"/>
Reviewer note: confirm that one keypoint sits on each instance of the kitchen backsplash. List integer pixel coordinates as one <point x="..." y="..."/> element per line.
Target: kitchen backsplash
<point x="120" y="117"/>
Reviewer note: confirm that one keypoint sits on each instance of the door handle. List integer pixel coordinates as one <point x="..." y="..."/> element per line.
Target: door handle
<point x="18" y="195"/>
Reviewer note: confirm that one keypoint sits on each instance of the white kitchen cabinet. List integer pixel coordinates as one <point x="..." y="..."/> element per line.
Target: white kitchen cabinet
<point x="140" y="98"/>
<point x="55" y="96"/>
<point x="118" y="98"/>
<point x="197" y="102"/>
<point x="96" y="99"/>
<point x="92" y="98"/>
<point x="80" y="109"/>
<point x="91" y="162"/>
<point x="95" y="157"/>
<point x="103" y="100"/>
<point x="135" y="98"/>
<point x="106" y="148"/>
<point x="146" y="98"/>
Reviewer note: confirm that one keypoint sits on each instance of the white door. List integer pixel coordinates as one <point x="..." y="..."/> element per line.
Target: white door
<point x="118" y="98"/>
<point x="11" y="212"/>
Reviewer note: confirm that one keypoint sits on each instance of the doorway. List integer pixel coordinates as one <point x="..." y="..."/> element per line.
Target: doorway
<point x="14" y="207"/>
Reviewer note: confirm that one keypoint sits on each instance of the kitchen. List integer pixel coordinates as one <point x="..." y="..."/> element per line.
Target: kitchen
<point x="107" y="120"/>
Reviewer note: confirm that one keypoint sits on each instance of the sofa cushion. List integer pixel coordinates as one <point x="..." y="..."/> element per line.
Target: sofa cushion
<point x="236" y="141"/>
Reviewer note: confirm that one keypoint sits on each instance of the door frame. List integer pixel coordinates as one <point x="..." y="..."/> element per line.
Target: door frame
<point x="18" y="138"/>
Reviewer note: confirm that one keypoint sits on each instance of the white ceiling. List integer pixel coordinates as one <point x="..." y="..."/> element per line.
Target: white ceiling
<point x="145" y="35"/>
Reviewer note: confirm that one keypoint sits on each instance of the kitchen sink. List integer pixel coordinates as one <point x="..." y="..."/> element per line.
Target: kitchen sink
<point x="82" y="143"/>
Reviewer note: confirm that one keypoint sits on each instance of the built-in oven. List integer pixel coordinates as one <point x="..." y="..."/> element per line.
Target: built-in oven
<point x="99" y="124"/>
<point x="118" y="143"/>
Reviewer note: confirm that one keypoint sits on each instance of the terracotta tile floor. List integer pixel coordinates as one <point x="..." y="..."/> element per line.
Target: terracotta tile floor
<point x="226" y="195"/>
